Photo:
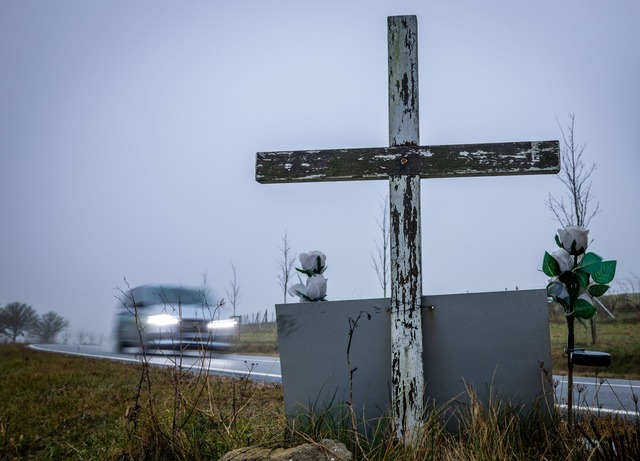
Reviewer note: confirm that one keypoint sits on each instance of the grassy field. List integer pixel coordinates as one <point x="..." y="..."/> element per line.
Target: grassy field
<point x="60" y="407"/>
<point x="261" y="339"/>
<point x="620" y="338"/>
<point x="55" y="407"/>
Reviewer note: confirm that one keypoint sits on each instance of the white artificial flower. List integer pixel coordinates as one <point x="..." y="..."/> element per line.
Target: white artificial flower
<point x="558" y="290"/>
<point x="297" y="290"/>
<point x="565" y="260"/>
<point x="574" y="234"/>
<point x="309" y="261"/>
<point x="316" y="287"/>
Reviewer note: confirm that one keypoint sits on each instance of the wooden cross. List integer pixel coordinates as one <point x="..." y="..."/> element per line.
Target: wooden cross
<point x="404" y="163"/>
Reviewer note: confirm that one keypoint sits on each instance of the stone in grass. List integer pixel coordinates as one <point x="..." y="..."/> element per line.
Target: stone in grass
<point x="326" y="450"/>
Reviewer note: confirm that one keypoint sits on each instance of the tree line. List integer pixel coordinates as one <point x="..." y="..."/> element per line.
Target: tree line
<point x="19" y="319"/>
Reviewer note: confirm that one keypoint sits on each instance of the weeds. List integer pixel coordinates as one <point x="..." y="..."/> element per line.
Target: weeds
<point x="59" y="407"/>
<point x="174" y="424"/>
<point x="607" y="445"/>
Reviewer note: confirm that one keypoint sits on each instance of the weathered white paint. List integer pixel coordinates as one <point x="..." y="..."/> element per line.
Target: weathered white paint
<point x="407" y="373"/>
<point x="533" y="157"/>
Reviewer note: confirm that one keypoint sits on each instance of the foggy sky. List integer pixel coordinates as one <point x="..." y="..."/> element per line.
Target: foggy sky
<point x="128" y="133"/>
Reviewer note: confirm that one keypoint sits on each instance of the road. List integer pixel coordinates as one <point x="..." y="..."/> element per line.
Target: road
<point x="600" y="395"/>
<point x="259" y="368"/>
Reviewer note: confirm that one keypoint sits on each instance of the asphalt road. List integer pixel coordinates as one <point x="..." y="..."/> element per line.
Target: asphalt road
<point x="259" y="368"/>
<point x="595" y="394"/>
<point x="601" y="395"/>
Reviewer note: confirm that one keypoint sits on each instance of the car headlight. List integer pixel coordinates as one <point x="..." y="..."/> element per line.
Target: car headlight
<point x="163" y="320"/>
<point x="222" y="324"/>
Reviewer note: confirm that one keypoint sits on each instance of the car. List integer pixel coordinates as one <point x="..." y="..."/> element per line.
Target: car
<point x="171" y="317"/>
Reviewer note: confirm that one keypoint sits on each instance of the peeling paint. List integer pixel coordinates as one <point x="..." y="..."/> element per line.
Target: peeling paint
<point x="425" y="153"/>
<point x="390" y="157"/>
<point x="425" y="161"/>
<point x="404" y="163"/>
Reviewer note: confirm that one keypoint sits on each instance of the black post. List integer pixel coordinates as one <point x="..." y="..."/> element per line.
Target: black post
<point x="570" y="346"/>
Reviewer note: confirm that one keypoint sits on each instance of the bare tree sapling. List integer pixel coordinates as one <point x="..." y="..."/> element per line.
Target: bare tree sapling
<point x="380" y="260"/>
<point x="233" y="292"/>
<point x="576" y="207"/>
<point x="579" y="207"/>
<point x="285" y="266"/>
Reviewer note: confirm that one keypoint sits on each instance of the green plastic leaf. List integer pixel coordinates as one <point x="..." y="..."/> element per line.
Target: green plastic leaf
<point x="598" y="290"/>
<point x="583" y="278"/>
<point x="583" y="309"/>
<point x="605" y="273"/>
<point x="550" y="266"/>
<point x="590" y="263"/>
<point x="558" y="241"/>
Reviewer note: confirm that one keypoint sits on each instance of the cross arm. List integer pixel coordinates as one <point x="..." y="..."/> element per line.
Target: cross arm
<point x="496" y="159"/>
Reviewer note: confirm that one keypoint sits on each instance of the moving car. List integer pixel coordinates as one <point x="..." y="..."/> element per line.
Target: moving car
<point x="171" y="317"/>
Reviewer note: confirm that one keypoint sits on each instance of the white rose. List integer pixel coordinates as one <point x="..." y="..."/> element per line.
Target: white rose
<point x="316" y="287"/>
<point x="309" y="261"/>
<point x="297" y="289"/>
<point x="574" y="234"/>
<point x="558" y="290"/>
<point x="565" y="260"/>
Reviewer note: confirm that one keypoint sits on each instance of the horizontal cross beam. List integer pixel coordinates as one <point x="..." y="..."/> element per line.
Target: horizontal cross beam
<point x="497" y="159"/>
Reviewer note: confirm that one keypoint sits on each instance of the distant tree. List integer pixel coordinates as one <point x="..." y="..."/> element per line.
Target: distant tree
<point x="285" y="266"/>
<point x="576" y="208"/>
<point x="66" y="336"/>
<point x="48" y="326"/>
<point x="380" y="260"/>
<point x="82" y="336"/>
<point x="233" y="292"/>
<point x="16" y="319"/>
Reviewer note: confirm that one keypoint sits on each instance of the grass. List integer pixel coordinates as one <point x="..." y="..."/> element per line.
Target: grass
<point x="257" y="339"/>
<point x="620" y="338"/>
<point x="60" y="407"/>
<point x="54" y="407"/>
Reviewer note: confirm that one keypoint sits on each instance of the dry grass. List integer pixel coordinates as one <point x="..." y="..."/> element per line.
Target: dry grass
<point x="620" y="338"/>
<point x="60" y="407"/>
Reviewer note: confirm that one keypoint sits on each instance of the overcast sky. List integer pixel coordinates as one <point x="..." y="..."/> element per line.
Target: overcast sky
<point x="128" y="134"/>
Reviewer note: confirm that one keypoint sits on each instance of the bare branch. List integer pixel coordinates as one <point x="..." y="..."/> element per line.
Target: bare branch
<point x="576" y="177"/>
<point x="285" y="266"/>
<point x="233" y="292"/>
<point x="380" y="261"/>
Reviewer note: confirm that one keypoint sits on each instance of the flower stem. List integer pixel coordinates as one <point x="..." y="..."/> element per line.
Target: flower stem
<point x="570" y="346"/>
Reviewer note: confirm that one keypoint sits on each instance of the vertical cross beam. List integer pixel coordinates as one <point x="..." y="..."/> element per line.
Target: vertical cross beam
<point x="407" y="374"/>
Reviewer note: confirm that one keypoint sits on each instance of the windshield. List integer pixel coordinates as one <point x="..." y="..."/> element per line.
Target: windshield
<point x="174" y="296"/>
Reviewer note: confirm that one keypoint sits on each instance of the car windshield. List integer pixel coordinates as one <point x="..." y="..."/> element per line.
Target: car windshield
<point x="144" y="296"/>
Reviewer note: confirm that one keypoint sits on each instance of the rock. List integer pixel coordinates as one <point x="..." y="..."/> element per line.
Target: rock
<point x="326" y="450"/>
